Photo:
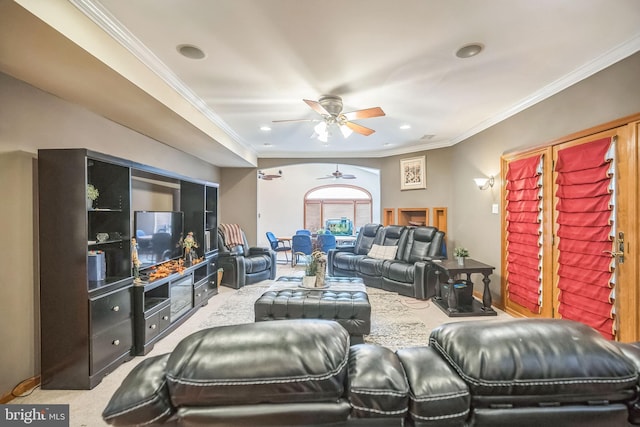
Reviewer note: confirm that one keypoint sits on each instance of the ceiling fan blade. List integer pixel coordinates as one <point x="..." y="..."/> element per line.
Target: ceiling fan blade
<point x="326" y="177"/>
<point x="315" y="106"/>
<point x="364" y="114"/>
<point x="359" y="128"/>
<point x="347" y="176"/>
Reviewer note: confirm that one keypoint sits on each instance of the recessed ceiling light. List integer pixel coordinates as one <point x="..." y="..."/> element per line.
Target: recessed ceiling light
<point x="268" y="144"/>
<point x="265" y="128"/>
<point x="387" y="144"/>
<point x="190" y="51"/>
<point x="469" y="50"/>
<point x="405" y="126"/>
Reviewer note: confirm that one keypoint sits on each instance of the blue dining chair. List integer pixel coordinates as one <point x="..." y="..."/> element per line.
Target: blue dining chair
<point x="279" y="245"/>
<point x="300" y="246"/>
<point x="326" y="242"/>
<point x="307" y="232"/>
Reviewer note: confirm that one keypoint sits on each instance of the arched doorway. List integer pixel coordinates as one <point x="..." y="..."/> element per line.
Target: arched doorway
<point x="335" y="201"/>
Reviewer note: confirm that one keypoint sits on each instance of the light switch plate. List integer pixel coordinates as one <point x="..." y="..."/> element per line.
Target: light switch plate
<point x="495" y="209"/>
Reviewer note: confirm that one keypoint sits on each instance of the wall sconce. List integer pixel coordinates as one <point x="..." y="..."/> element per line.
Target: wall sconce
<point x="484" y="183"/>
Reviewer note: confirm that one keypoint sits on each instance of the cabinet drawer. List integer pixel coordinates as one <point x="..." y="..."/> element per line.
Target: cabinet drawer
<point x="156" y="323"/>
<point x="201" y="294"/>
<point x="110" y="309"/>
<point x="110" y="344"/>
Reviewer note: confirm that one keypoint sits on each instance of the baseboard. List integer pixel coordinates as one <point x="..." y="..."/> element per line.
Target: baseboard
<point x="22" y="388"/>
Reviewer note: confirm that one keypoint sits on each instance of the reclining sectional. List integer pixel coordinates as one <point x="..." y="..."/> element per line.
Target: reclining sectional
<point x="394" y="258"/>
<point x="524" y="372"/>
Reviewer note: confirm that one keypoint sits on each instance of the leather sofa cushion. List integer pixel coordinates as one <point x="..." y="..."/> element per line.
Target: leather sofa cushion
<point x="437" y="394"/>
<point x="257" y="263"/>
<point x="366" y="238"/>
<point x="399" y="271"/>
<point x="142" y="397"/>
<point x="377" y="384"/>
<point x="370" y="266"/>
<point x="347" y="260"/>
<point x="535" y="360"/>
<point x="286" y="361"/>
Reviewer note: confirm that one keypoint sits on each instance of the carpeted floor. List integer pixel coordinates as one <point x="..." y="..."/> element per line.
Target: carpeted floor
<point x="397" y="322"/>
<point x="393" y="321"/>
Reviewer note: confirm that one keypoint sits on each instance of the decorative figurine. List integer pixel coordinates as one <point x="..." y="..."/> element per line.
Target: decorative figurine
<point x="135" y="261"/>
<point x="189" y="243"/>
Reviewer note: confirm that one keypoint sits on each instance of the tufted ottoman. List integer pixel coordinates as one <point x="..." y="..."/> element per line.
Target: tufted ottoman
<point x="345" y="301"/>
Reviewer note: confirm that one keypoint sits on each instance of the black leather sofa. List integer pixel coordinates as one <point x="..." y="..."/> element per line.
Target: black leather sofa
<point x="409" y="272"/>
<point x="244" y="264"/>
<point x="524" y="372"/>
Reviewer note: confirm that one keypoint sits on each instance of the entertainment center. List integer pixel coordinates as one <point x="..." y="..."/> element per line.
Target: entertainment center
<point x="94" y="315"/>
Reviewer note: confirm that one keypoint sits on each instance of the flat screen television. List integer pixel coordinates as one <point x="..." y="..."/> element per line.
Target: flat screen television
<point x="158" y="235"/>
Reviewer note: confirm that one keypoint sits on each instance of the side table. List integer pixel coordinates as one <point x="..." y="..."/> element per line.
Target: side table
<point x="452" y="269"/>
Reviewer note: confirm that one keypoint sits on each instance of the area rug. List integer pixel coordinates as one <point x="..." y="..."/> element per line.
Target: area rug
<point x="393" y="321"/>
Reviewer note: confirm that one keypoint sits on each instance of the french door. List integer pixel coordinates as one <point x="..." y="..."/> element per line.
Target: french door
<point x="570" y="231"/>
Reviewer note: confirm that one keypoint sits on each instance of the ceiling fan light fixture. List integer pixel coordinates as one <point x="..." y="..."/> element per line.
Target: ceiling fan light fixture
<point x="346" y="131"/>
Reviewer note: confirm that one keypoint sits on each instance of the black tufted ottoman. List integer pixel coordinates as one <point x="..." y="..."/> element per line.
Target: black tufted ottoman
<point x="345" y="301"/>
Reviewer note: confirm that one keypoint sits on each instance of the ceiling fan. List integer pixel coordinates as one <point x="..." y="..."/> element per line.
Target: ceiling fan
<point x="330" y="108"/>
<point x="338" y="175"/>
<point x="269" y="177"/>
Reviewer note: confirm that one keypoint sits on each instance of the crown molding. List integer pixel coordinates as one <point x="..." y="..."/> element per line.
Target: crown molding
<point x="95" y="11"/>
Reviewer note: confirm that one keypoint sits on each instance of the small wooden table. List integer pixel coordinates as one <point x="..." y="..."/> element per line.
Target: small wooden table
<point x="453" y="270"/>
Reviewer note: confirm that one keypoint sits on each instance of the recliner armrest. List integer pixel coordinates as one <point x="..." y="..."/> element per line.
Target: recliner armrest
<point x="258" y="250"/>
<point x="143" y="397"/>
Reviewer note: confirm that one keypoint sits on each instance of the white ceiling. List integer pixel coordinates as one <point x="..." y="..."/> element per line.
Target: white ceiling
<point x="263" y="57"/>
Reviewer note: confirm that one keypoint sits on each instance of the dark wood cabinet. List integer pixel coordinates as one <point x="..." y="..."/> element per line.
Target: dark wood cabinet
<point x="162" y="305"/>
<point x="93" y="318"/>
<point x="199" y="202"/>
<point x="85" y="282"/>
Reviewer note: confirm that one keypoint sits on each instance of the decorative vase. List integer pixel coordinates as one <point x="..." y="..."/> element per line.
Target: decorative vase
<point x="89" y="203"/>
<point x="309" y="281"/>
<point x="460" y="260"/>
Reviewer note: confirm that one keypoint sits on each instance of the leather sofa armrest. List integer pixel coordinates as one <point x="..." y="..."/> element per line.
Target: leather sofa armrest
<point x="436" y="391"/>
<point x="143" y="397"/>
<point x="377" y="385"/>
<point x="258" y="250"/>
<point x="234" y="269"/>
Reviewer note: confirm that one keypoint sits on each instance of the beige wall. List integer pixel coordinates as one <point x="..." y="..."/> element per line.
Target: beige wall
<point x="608" y="95"/>
<point x="19" y="321"/>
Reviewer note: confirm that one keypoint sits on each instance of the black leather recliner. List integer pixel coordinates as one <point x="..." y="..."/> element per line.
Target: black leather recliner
<point x="244" y="265"/>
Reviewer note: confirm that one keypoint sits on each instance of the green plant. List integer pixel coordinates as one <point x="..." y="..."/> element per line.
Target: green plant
<point x="460" y="252"/>
<point x="313" y="262"/>
<point x="92" y="192"/>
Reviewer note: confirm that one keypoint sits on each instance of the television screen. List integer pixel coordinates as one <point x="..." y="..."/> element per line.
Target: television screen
<point x="158" y="235"/>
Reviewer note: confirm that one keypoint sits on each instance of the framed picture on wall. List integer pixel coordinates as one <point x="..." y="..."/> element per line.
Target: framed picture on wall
<point x="413" y="173"/>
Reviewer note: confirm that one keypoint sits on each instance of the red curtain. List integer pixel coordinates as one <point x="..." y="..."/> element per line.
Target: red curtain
<point x="524" y="248"/>
<point x="585" y="228"/>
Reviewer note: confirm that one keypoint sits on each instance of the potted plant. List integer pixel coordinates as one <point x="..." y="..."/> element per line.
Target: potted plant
<point x="315" y="269"/>
<point x="92" y="195"/>
<point x="460" y="254"/>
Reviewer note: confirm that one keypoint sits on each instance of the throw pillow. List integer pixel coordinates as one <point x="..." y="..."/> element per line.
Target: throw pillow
<point x="383" y="252"/>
